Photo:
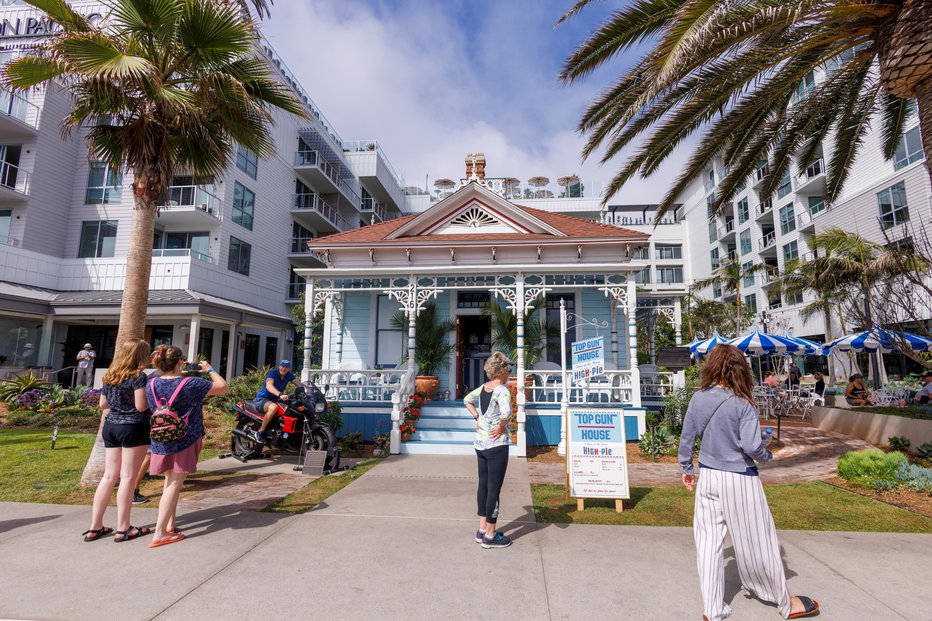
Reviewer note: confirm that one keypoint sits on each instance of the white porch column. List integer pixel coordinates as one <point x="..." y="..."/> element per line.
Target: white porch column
<point x="678" y="321"/>
<point x="308" y="319"/>
<point x="614" y="312"/>
<point x="46" y="342"/>
<point x="631" y="312"/>
<point x="193" y="337"/>
<point x="519" y="388"/>
<point x="337" y="307"/>
<point x="232" y="342"/>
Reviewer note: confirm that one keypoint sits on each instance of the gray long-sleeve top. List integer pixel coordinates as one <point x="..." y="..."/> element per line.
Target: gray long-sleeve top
<point x="731" y="439"/>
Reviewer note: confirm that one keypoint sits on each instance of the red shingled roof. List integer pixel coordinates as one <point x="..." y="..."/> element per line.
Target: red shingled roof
<point x="571" y="226"/>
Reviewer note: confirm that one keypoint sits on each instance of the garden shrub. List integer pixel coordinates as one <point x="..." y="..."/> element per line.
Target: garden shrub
<point x="242" y="388"/>
<point x="333" y="415"/>
<point x="898" y="443"/>
<point x="30" y="418"/>
<point x="351" y="440"/>
<point x="865" y="467"/>
<point x="10" y="388"/>
<point x="925" y="450"/>
<point x="657" y="442"/>
<point x="915" y="477"/>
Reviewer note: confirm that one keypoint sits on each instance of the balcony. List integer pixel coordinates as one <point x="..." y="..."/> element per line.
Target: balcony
<point x="14" y="184"/>
<point x="726" y="231"/>
<point x="768" y="242"/>
<point x="190" y="207"/>
<point x="804" y="222"/>
<point x="378" y="210"/>
<point x="182" y="252"/>
<point x="300" y="255"/>
<point x="775" y="304"/>
<point x="9" y="241"/>
<point x="323" y="176"/>
<point x="732" y="256"/>
<point x="313" y="212"/>
<point x="295" y="291"/>
<point x="770" y="276"/>
<point x="759" y="174"/>
<point x="812" y="181"/>
<point x="19" y="117"/>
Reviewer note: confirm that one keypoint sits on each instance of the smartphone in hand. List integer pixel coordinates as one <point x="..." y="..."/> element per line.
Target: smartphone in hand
<point x="192" y="367"/>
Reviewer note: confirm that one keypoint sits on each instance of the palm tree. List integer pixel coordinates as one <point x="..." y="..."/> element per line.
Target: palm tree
<point x="737" y="72"/>
<point x="706" y="317"/>
<point x="162" y="86"/>
<point x="505" y="331"/>
<point x="431" y="349"/>
<point x="730" y="275"/>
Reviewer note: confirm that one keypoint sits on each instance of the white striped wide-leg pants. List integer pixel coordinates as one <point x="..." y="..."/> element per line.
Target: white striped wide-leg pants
<point x="735" y="503"/>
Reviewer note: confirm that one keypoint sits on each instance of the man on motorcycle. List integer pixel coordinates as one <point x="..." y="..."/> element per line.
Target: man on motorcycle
<point x="273" y="390"/>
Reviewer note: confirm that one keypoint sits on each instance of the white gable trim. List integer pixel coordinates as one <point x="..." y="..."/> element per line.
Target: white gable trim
<point x="444" y="212"/>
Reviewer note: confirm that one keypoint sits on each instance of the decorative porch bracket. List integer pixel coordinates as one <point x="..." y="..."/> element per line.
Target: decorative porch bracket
<point x="412" y="298"/>
<point x="518" y="296"/>
<point x="625" y="297"/>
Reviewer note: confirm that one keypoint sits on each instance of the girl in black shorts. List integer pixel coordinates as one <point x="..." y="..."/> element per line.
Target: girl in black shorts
<point x="126" y="438"/>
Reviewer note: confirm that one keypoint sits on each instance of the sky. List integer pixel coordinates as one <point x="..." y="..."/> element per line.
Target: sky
<point x="433" y="80"/>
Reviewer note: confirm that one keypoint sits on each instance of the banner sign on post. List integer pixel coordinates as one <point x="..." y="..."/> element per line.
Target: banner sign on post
<point x="588" y="358"/>
<point x="597" y="454"/>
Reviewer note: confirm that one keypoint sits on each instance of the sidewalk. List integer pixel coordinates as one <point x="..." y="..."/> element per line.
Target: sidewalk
<point x="398" y="544"/>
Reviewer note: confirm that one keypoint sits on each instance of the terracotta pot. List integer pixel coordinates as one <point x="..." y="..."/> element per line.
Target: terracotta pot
<point x="405" y="436"/>
<point x="528" y="386"/>
<point x="427" y="384"/>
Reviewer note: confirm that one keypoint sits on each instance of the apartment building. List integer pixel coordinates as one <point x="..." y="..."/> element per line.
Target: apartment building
<point x="882" y="200"/>
<point x="224" y="251"/>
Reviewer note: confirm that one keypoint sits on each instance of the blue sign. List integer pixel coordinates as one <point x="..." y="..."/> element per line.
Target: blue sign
<point x="588" y="356"/>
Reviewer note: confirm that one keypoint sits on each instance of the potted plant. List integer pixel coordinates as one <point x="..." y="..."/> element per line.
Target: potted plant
<point x="505" y="333"/>
<point x="412" y="412"/>
<point x="432" y="351"/>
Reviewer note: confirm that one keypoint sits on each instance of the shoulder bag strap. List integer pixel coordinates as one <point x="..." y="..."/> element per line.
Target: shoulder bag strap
<point x="714" y="412"/>
<point x="181" y="384"/>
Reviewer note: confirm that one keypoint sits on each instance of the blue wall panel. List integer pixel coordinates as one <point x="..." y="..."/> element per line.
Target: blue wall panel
<point x="367" y="423"/>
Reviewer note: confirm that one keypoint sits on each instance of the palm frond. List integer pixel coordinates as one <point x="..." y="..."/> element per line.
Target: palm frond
<point x="895" y="112"/>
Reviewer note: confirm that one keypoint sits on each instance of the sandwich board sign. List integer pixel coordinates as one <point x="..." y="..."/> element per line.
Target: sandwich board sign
<point x="597" y="459"/>
<point x="588" y="358"/>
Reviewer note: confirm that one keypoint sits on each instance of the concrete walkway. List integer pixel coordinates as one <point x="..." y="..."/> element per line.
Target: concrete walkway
<point x="398" y="544"/>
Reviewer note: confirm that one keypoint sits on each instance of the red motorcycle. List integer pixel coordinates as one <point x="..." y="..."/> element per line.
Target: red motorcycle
<point x="294" y="429"/>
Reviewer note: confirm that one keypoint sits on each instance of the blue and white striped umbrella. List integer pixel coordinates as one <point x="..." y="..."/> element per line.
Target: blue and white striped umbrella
<point x="758" y="343"/>
<point x="879" y="340"/>
<point x="697" y="349"/>
<point x="810" y="348"/>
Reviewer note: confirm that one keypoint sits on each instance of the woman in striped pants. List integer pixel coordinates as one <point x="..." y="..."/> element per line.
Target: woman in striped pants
<point x="729" y="494"/>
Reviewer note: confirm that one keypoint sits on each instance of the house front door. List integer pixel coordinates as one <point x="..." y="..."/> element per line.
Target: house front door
<point x="474" y="345"/>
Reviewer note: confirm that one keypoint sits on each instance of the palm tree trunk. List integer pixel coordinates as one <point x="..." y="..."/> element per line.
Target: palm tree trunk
<point x="94" y="468"/>
<point x="146" y="190"/>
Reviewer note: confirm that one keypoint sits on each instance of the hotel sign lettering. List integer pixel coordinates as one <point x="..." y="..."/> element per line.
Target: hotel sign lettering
<point x="35" y="26"/>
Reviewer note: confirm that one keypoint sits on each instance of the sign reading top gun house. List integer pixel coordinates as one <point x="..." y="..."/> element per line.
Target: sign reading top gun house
<point x="598" y="461"/>
<point x="588" y="358"/>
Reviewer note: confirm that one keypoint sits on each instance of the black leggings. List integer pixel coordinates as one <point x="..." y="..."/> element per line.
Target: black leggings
<point x="492" y="465"/>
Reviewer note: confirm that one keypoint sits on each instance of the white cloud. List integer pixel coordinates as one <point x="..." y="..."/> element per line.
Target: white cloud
<point x="431" y="81"/>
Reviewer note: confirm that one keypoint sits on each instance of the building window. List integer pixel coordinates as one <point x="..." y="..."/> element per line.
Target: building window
<point x="892" y="205"/>
<point x="180" y="243"/>
<point x="669" y="275"/>
<point x="750" y="303"/>
<point x="713" y="230"/>
<point x="716" y="290"/>
<point x="909" y="150"/>
<point x="238" y="260"/>
<point x="714" y="255"/>
<point x="748" y="280"/>
<point x="790" y="252"/>
<point x="104" y="184"/>
<point x="643" y="277"/>
<point x="709" y="201"/>
<point x="296" y="285"/>
<point x="742" y="185"/>
<point x="816" y="205"/>
<point x="805" y="87"/>
<point x="786" y="185"/>
<point x="745" y="239"/>
<point x="642" y="254"/>
<point x="796" y="298"/>
<point x="744" y="211"/>
<point x="709" y="179"/>
<point x="6" y="219"/>
<point x="244" y="201"/>
<point x="787" y="219"/>
<point x="668" y="252"/>
<point x="389" y="342"/>
<point x="98" y="239"/>
<point x="247" y="161"/>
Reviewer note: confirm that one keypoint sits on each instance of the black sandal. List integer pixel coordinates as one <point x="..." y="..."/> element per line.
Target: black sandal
<point x="103" y="531"/>
<point x="126" y="536"/>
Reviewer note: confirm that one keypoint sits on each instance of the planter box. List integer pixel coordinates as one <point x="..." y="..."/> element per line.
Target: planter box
<point x="871" y="427"/>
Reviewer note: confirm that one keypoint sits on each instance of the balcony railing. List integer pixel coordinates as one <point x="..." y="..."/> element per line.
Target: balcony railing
<point x="9" y="241"/>
<point x="313" y="158"/>
<point x="370" y="205"/>
<point x="760" y="173"/>
<point x="299" y="245"/>
<point x="808" y="256"/>
<point x="187" y="196"/>
<point x="312" y="201"/>
<point x="768" y="240"/>
<point x="765" y="207"/>
<point x="14" y="178"/>
<point x="295" y="290"/>
<point x="181" y="252"/>
<point x="771" y="275"/>
<point x="373" y="145"/>
<point x="817" y="208"/>
<point x="803" y="219"/>
<point x="775" y="304"/>
<point x="16" y="106"/>
<point x="815" y="169"/>
<point x="732" y="256"/>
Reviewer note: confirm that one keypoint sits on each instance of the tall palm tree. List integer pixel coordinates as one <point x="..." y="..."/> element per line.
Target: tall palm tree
<point x="735" y="72"/>
<point x="504" y="325"/>
<point x="730" y="275"/>
<point x="162" y="86"/>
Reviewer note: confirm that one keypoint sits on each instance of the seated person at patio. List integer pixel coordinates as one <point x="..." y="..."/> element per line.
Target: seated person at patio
<point x="924" y="395"/>
<point x="856" y="393"/>
<point x="792" y="380"/>
<point x="273" y="390"/>
<point x="819" y="383"/>
<point x="770" y="381"/>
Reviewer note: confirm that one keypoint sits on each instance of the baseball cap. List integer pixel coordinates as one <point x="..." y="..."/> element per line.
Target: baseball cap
<point x="88" y="346"/>
<point x="285" y="363"/>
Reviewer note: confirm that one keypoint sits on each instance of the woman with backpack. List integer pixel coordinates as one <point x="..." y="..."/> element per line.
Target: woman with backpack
<point x="729" y="494"/>
<point x="177" y="404"/>
<point x="125" y="434"/>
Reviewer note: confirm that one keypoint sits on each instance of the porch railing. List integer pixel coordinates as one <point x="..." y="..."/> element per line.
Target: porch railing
<point x="358" y="384"/>
<point x="657" y="384"/>
<point x="611" y="387"/>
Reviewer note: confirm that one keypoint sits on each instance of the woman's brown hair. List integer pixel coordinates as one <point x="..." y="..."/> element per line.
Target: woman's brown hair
<point x="131" y="358"/>
<point x="166" y="357"/>
<point x="727" y="366"/>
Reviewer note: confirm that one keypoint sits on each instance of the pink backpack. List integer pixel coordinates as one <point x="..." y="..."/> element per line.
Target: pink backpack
<point x="165" y="425"/>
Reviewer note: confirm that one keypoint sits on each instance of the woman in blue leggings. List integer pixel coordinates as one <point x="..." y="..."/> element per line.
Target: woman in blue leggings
<point x="490" y="405"/>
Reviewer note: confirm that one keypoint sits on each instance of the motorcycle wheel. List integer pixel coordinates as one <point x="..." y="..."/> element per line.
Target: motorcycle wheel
<point x="321" y="439"/>
<point x="242" y="446"/>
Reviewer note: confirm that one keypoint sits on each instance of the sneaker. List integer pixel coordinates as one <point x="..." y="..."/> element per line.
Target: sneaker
<point x="260" y="437"/>
<point x="498" y="541"/>
<point x="139" y="499"/>
<point x="479" y="535"/>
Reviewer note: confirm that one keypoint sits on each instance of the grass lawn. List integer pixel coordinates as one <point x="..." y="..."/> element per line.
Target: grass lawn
<point x="802" y="506"/>
<point x="316" y="491"/>
<point x="30" y="471"/>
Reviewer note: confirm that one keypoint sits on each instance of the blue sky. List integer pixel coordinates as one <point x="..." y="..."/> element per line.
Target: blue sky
<point x="431" y="81"/>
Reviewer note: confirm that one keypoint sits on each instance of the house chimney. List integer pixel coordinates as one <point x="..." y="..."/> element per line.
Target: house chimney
<point x="475" y="166"/>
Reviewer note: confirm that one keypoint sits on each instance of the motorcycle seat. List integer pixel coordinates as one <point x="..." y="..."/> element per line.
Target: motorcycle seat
<point x="249" y="406"/>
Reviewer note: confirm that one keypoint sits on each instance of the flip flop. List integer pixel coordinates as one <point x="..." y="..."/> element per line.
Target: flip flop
<point x="103" y="531"/>
<point x="811" y="608"/>
<point x="170" y="539"/>
<point x="174" y="531"/>
<point x="126" y="536"/>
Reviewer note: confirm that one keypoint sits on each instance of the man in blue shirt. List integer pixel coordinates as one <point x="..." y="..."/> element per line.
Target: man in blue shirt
<point x="273" y="390"/>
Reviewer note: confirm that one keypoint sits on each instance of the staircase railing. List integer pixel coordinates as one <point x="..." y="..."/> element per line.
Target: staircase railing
<point x="399" y="401"/>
